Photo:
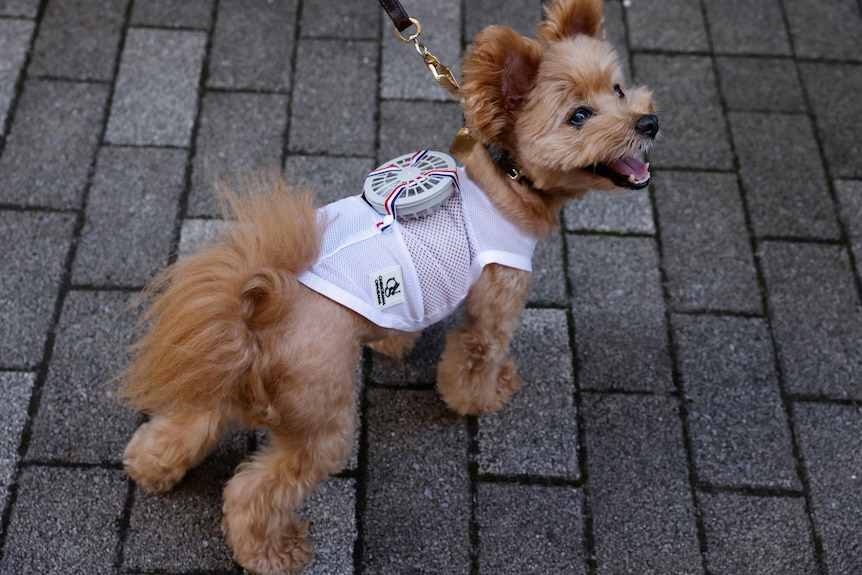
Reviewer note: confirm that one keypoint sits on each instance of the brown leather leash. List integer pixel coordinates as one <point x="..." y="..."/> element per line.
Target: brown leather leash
<point x="402" y="22"/>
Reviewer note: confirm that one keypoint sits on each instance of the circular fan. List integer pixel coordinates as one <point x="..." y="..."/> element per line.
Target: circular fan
<point x="411" y="186"/>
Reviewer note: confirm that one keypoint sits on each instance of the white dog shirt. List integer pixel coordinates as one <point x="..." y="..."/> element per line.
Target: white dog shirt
<point x="416" y="272"/>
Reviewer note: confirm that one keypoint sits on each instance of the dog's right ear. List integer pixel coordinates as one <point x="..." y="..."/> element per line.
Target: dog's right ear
<point x="497" y="76"/>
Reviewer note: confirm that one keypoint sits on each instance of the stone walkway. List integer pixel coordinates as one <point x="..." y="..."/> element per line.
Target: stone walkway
<point x="692" y="355"/>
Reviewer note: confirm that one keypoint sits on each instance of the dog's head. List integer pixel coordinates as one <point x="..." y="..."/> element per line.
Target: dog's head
<point x="557" y="107"/>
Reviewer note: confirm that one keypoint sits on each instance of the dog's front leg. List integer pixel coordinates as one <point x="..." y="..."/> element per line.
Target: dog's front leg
<point x="476" y="375"/>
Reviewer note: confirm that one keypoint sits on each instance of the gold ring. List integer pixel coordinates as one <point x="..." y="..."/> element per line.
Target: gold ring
<point x="412" y="36"/>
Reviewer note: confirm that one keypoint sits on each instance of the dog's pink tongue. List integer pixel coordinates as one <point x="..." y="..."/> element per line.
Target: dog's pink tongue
<point x="630" y="167"/>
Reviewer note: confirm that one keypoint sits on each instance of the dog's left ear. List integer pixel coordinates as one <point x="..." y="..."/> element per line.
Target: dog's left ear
<point x="567" y="18"/>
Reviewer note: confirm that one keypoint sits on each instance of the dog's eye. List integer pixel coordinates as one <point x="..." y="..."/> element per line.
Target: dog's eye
<point x="619" y="91"/>
<point x="580" y="116"/>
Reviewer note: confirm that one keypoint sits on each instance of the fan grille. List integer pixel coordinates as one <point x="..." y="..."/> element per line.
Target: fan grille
<point x="426" y="179"/>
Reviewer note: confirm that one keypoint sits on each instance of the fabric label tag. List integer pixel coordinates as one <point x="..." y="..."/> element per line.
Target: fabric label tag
<point x="388" y="287"/>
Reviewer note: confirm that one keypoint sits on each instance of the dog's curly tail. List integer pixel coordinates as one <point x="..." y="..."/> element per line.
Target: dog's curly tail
<point x="209" y="308"/>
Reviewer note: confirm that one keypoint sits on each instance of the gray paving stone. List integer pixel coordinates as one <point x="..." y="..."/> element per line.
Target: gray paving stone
<point x="643" y="514"/>
<point x="417" y="508"/>
<point x="338" y="19"/>
<point x="403" y="74"/>
<point x="849" y="195"/>
<point x="65" y="521"/>
<point x="549" y="274"/>
<point x="52" y="143"/>
<point x="828" y="438"/>
<point x="760" y="84"/>
<point x="522" y="16"/>
<point x="198" y="234"/>
<point x="619" y="313"/>
<point x="409" y="126"/>
<point x="79" y="39"/>
<point x="239" y="134"/>
<point x="705" y="243"/>
<point x="331" y="516"/>
<point x="783" y="176"/>
<point x="671" y="25"/>
<point x="420" y="367"/>
<point x="819" y="30"/>
<point x="530" y="529"/>
<point x="15" y="391"/>
<point x="626" y="212"/>
<point x="333" y="113"/>
<point x="330" y="177"/>
<point x="8" y="468"/>
<point x="172" y="14"/>
<point x="832" y="91"/>
<point x="537" y="432"/>
<point x="79" y="419"/>
<point x="736" y="27"/>
<point x="22" y="8"/>
<point x="757" y="535"/>
<point x="816" y="317"/>
<point x="180" y="530"/>
<point x="693" y="132"/>
<point x="616" y="31"/>
<point x="156" y="94"/>
<point x="33" y="248"/>
<point x="737" y="424"/>
<point x="15" y="38"/>
<point x="133" y="199"/>
<point x="253" y="45"/>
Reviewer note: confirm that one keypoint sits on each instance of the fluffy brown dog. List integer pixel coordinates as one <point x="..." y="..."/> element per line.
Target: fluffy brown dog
<point x="235" y="338"/>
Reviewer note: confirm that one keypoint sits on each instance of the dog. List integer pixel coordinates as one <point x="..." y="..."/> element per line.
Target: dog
<point x="237" y="337"/>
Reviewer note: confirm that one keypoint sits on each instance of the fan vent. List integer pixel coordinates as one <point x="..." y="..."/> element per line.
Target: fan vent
<point x="412" y="185"/>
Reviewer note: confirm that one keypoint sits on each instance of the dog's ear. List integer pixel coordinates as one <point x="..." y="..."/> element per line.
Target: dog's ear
<point x="497" y="77"/>
<point x="567" y="18"/>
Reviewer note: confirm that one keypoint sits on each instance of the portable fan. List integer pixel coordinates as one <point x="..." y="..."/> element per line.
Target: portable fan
<point x="411" y="186"/>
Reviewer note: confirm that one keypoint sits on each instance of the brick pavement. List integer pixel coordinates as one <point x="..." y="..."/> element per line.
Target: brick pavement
<point x="692" y="355"/>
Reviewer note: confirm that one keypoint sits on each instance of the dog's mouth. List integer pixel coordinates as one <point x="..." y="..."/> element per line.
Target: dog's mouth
<point x="628" y="172"/>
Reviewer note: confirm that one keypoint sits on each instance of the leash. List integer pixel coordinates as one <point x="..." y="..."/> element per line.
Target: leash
<point x="402" y="22"/>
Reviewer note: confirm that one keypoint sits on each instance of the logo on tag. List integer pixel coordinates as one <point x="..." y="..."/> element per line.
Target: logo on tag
<point x="388" y="287"/>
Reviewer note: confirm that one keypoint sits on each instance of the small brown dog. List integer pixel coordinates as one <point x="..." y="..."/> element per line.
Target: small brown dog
<point x="236" y="338"/>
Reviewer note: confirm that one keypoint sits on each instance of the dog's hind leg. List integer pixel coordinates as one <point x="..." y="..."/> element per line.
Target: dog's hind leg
<point x="313" y="441"/>
<point x="164" y="448"/>
<point x="476" y="375"/>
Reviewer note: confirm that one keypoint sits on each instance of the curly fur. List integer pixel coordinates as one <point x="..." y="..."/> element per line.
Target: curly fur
<point x="233" y="337"/>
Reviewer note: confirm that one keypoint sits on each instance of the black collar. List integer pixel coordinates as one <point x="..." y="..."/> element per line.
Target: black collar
<point x="506" y="164"/>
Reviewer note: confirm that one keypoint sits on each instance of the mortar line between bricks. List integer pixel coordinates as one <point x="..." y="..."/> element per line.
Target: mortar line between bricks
<point x="751" y="490"/>
<point x="183" y="204"/>
<point x="361" y="478"/>
<point x="825" y="399"/>
<point x="293" y="62"/>
<point x="589" y="540"/>
<point x="19" y="89"/>
<point x="764" y="293"/>
<point x="64" y="287"/>
<point x="472" y="423"/>
<point x="682" y="409"/>
<point x="753" y="56"/>
<point x="527" y="479"/>
<point x="797" y="450"/>
<point x="830" y="179"/>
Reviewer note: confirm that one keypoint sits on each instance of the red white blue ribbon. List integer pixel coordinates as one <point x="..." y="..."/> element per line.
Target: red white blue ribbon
<point x="389" y="203"/>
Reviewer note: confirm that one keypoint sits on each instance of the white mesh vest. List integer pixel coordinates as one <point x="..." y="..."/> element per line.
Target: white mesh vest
<point x="418" y="271"/>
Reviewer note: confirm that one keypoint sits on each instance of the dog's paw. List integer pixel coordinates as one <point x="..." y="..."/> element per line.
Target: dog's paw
<point x="470" y="392"/>
<point x="144" y="462"/>
<point x="281" y="551"/>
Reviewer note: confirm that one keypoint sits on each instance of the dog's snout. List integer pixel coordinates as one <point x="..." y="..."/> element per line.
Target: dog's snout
<point x="647" y="124"/>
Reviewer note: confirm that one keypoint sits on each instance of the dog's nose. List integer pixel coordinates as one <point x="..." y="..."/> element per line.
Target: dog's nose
<point x="647" y="124"/>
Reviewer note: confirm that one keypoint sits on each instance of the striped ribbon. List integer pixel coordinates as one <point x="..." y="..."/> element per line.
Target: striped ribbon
<point x="393" y="196"/>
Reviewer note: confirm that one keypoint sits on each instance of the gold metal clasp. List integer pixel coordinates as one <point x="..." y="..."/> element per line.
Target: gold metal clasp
<point x="441" y="73"/>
